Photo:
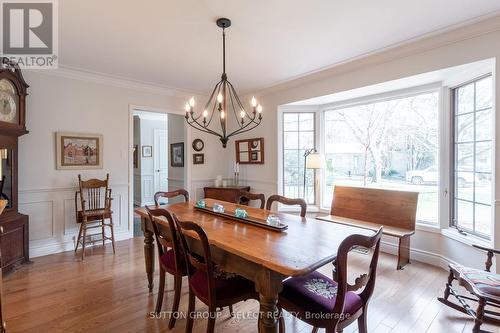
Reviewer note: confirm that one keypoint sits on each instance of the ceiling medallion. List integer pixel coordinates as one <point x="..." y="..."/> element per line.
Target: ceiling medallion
<point x="223" y="101"/>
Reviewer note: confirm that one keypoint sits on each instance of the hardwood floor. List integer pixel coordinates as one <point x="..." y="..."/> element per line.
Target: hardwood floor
<point x="106" y="293"/>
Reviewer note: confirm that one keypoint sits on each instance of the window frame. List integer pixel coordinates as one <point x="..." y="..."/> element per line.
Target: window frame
<point x="453" y="124"/>
<point x="281" y="149"/>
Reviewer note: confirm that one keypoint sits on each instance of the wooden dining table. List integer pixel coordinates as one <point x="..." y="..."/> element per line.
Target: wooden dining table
<point x="264" y="256"/>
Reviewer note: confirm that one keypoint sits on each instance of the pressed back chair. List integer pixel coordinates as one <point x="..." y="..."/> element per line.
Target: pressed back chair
<point x="95" y="209"/>
<point x="170" y="257"/>
<point x="171" y="194"/>
<point x="248" y="196"/>
<point x="289" y="202"/>
<point x="333" y="304"/>
<point x="207" y="282"/>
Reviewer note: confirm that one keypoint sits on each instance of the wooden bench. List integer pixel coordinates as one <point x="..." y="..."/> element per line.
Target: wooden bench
<point x="371" y="208"/>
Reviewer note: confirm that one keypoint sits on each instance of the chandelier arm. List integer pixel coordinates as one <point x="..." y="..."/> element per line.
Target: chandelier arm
<point x="217" y="86"/>
<point x="212" y="95"/>
<point x="242" y="130"/>
<point x="234" y="109"/>
<point x="224" y="109"/>
<point x="200" y="127"/>
<point x="238" y="100"/>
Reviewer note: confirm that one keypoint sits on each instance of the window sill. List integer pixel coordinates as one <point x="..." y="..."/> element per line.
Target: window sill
<point x="470" y="240"/>
<point x="428" y="227"/>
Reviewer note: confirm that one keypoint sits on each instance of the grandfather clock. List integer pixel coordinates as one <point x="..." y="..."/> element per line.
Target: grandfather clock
<point x="13" y="225"/>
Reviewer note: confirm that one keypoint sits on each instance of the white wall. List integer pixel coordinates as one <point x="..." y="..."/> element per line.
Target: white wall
<point x="461" y="46"/>
<point x="78" y="102"/>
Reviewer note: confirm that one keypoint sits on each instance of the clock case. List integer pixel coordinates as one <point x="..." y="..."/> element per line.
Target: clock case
<point x="14" y="227"/>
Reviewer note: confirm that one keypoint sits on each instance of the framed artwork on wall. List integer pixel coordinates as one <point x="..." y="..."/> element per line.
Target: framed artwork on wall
<point x="147" y="151"/>
<point x="177" y="154"/>
<point x="198" y="158"/>
<point x="250" y="151"/>
<point x="78" y="151"/>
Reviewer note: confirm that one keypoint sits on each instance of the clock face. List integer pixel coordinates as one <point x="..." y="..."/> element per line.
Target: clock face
<point x="8" y="102"/>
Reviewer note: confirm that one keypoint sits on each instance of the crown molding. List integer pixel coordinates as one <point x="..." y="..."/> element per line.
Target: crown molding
<point x="116" y="81"/>
<point x="472" y="28"/>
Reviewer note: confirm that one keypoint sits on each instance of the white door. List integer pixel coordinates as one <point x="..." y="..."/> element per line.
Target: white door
<point x="160" y="160"/>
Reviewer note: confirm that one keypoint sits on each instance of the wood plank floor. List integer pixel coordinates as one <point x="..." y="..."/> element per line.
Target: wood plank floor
<point x="108" y="293"/>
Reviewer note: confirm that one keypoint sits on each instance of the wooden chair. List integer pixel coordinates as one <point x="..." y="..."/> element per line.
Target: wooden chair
<point x="288" y="202"/>
<point x="171" y="194"/>
<point x="483" y="285"/>
<point x="170" y="258"/>
<point x="248" y="196"/>
<point x="333" y="304"/>
<point x="95" y="209"/>
<point x="207" y="282"/>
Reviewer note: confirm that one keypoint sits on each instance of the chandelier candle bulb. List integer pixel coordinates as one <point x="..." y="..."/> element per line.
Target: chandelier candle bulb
<point x="254" y="102"/>
<point x="191" y="102"/>
<point x="259" y="108"/>
<point x="205" y="113"/>
<point x="219" y="98"/>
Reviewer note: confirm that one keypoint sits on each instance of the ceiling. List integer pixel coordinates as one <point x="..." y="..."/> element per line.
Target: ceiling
<point x="177" y="44"/>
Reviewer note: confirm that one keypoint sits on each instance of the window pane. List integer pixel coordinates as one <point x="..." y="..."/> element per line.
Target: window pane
<point x="464" y="214"/>
<point x="464" y="187"/>
<point x="483" y="188"/>
<point x="306" y="121"/>
<point x="306" y="140"/>
<point x="291" y="176"/>
<point x="291" y="158"/>
<point x="483" y="219"/>
<point x="465" y="99"/>
<point x="483" y="156"/>
<point x="465" y="128"/>
<point x="484" y="125"/>
<point x="484" y="93"/>
<point x="290" y="122"/>
<point x="291" y="140"/>
<point x="465" y="157"/>
<point x="390" y="145"/>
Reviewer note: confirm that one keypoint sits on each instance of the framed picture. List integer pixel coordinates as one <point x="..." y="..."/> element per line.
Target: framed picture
<point x="198" y="158"/>
<point x="78" y="151"/>
<point x="147" y="151"/>
<point x="250" y="151"/>
<point x="177" y="154"/>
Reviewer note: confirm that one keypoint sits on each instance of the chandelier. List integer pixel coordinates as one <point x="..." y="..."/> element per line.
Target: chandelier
<point x="223" y="101"/>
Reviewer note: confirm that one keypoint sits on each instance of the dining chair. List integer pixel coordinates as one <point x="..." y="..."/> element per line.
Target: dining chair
<point x="95" y="209"/>
<point x="207" y="281"/>
<point x="248" y="196"/>
<point x="170" y="258"/>
<point x="333" y="304"/>
<point x="289" y="202"/>
<point x="171" y="194"/>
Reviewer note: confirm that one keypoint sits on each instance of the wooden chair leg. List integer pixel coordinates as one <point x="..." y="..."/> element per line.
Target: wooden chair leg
<point x="190" y="312"/>
<point x="79" y="235"/>
<point x="112" y="233"/>
<point x="161" y="291"/>
<point x="451" y="277"/>
<point x="103" y="232"/>
<point x="479" y="316"/>
<point x="212" y="314"/>
<point x="231" y="311"/>
<point x="177" y="299"/>
<point x="315" y="330"/>
<point x="362" y="324"/>
<point x="84" y="226"/>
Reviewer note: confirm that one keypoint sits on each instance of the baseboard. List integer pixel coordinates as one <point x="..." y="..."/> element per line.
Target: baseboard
<point x="419" y="255"/>
<point x="69" y="245"/>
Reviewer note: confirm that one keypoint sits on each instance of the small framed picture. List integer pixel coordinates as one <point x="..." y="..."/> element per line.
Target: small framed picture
<point x="198" y="158"/>
<point x="177" y="154"/>
<point x="254" y="156"/>
<point x="147" y="151"/>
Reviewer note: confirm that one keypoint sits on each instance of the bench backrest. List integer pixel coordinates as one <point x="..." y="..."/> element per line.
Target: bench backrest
<point x="384" y="207"/>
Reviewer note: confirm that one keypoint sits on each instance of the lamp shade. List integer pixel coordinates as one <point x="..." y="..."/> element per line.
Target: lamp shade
<point x="315" y="161"/>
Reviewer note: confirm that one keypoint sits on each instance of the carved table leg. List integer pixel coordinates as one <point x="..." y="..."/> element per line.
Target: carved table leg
<point x="149" y="252"/>
<point x="404" y="252"/>
<point x="269" y="286"/>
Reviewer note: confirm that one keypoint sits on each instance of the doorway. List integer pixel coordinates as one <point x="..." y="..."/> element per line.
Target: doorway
<point x="153" y="133"/>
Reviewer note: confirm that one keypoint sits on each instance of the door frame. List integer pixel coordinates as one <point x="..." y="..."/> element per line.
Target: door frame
<point x="130" y="155"/>
<point x="156" y="182"/>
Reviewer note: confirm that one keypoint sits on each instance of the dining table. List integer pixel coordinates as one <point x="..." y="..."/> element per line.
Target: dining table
<point x="266" y="257"/>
